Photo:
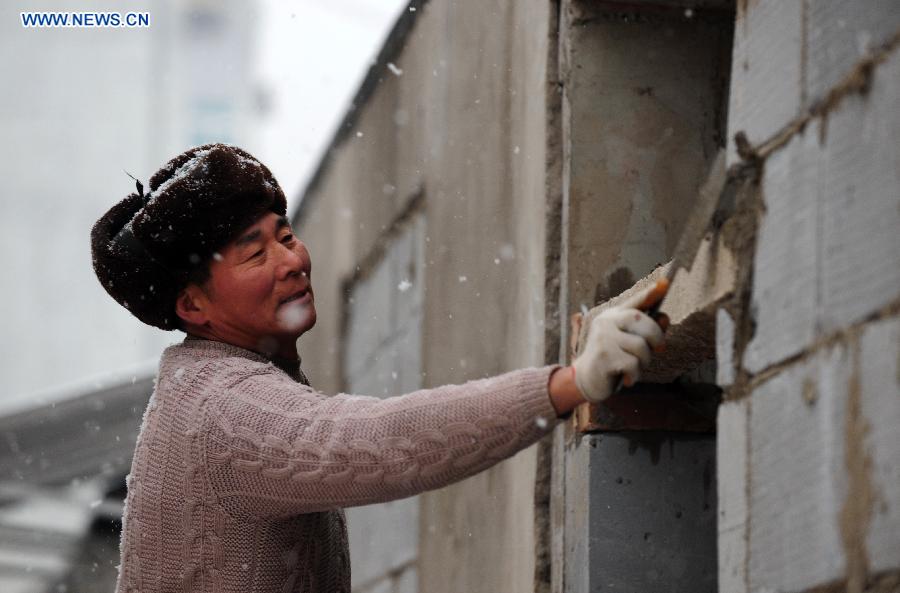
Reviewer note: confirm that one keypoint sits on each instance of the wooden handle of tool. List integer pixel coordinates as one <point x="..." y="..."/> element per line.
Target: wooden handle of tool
<point x="656" y="295"/>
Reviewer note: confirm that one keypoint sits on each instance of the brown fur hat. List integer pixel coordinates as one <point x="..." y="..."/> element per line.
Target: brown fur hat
<point x="149" y="246"/>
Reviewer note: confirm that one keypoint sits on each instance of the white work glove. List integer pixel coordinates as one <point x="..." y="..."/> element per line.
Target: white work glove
<point x="618" y="344"/>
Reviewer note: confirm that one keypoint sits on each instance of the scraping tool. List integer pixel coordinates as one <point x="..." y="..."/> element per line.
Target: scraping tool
<point x="708" y="201"/>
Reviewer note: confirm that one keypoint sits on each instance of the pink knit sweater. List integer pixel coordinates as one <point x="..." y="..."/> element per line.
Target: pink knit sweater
<point x="240" y="471"/>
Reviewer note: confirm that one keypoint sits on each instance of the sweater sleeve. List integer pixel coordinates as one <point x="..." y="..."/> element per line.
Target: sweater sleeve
<point x="275" y="448"/>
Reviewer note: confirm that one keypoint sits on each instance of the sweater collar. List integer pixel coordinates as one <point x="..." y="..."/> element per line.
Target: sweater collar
<point x="290" y="367"/>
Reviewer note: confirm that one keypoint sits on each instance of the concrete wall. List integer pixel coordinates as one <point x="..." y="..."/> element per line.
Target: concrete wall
<point x="382" y="357"/>
<point x="554" y="152"/>
<point x="809" y="483"/>
<point x="459" y="125"/>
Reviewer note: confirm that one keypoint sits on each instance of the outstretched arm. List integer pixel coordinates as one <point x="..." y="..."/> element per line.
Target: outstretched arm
<point x="277" y="448"/>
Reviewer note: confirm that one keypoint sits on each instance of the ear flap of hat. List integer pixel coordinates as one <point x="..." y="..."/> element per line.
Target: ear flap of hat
<point x="135" y="281"/>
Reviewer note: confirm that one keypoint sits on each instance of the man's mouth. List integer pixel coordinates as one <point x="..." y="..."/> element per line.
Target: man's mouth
<point x="300" y="295"/>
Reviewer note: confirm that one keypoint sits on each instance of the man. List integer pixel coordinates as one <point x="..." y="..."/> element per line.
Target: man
<point x="241" y="470"/>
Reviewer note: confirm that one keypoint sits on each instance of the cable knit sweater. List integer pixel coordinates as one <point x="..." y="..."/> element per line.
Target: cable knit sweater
<point x="241" y="470"/>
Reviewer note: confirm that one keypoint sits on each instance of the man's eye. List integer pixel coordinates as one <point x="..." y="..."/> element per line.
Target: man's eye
<point x="258" y="253"/>
<point x="287" y="238"/>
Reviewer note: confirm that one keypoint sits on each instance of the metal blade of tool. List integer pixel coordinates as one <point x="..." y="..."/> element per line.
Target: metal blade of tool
<point x="707" y="203"/>
<point x="701" y="217"/>
<point x="711" y="195"/>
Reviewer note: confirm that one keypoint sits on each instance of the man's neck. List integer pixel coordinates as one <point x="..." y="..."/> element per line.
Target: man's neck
<point x="290" y="364"/>
<point x="269" y="346"/>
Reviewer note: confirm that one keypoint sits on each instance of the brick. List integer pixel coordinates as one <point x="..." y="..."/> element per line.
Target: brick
<point x="840" y="33"/>
<point x="860" y="201"/>
<point x="880" y="384"/>
<point x="766" y="78"/>
<point x="785" y="264"/>
<point x="826" y="254"/>
<point x="798" y="478"/>
<point x="731" y="477"/>
<point x="725" y="363"/>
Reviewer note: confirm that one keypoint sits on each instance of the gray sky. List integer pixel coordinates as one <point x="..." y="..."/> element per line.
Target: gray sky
<point x="313" y="56"/>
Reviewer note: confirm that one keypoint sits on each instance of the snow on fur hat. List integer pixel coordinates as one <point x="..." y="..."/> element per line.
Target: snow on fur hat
<point x="147" y="247"/>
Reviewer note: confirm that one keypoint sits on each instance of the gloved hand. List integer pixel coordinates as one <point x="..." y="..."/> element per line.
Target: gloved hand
<point x="618" y="344"/>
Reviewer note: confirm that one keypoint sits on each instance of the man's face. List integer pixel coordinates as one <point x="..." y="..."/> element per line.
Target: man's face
<point x="259" y="287"/>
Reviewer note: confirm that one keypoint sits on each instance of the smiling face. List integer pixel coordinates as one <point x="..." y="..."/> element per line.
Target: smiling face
<point x="258" y="295"/>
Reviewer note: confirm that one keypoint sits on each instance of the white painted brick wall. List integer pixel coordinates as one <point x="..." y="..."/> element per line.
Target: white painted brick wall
<point x="880" y="381"/>
<point x="860" y="200"/>
<point x="798" y="477"/>
<point x="829" y="241"/>
<point x="839" y="34"/>
<point x="827" y="257"/>
<point x="785" y="268"/>
<point x="765" y="70"/>
<point x="798" y="468"/>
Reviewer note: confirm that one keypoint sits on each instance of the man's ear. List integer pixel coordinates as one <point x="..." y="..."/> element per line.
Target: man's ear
<point x="191" y="306"/>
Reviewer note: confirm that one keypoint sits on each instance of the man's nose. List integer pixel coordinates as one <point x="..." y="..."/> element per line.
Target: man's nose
<point x="290" y="262"/>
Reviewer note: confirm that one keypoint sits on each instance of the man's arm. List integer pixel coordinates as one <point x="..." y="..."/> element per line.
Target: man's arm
<point x="275" y="448"/>
<point x="564" y="393"/>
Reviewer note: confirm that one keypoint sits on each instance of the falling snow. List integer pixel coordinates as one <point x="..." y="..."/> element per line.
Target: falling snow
<point x="404" y="285"/>
<point x="394" y="69"/>
<point x="293" y="315"/>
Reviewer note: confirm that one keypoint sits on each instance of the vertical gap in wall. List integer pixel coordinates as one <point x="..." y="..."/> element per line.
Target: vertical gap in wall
<point x="548" y="463"/>
<point x="644" y="111"/>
